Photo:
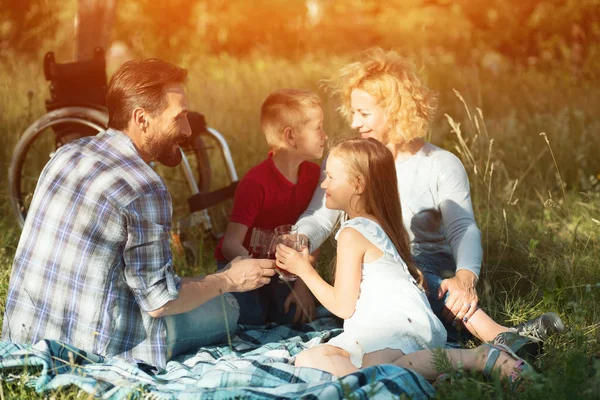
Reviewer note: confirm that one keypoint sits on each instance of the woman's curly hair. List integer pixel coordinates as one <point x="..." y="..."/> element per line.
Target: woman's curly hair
<point x="393" y="81"/>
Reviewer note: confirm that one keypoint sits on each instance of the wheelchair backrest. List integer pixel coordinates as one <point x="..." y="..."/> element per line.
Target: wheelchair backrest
<point x="80" y="83"/>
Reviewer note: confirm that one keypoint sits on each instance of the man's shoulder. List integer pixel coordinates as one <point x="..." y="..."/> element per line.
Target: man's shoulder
<point x="107" y="147"/>
<point x="112" y="163"/>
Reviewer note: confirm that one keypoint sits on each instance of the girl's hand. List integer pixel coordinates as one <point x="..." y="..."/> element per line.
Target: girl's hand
<point x="296" y="262"/>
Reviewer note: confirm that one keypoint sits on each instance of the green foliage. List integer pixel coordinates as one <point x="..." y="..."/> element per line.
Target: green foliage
<point x="26" y="27"/>
<point x="536" y="197"/>
<point x="546" y="33"/>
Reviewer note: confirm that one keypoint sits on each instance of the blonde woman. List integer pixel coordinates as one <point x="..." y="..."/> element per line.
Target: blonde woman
<point x="383" y="98"/>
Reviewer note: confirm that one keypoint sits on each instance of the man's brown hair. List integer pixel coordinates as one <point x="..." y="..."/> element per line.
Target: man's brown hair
<point x="139" y="83"/>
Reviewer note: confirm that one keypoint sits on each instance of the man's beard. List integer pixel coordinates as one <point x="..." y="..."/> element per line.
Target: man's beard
<point x="164" y="153"/>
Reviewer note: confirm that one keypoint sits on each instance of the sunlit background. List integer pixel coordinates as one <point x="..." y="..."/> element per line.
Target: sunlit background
<point x="505" y="72"/>
<point x="519" y="101"/>
<point x="492" y="34"/>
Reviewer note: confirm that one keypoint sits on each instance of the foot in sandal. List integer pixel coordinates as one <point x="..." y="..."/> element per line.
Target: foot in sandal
<point x="501" y="359"/>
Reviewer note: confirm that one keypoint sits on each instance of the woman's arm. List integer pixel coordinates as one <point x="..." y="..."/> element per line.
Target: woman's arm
<point x="317" y="222"/>
<point x="457" y="215"/>
<point x="464" y="237"/>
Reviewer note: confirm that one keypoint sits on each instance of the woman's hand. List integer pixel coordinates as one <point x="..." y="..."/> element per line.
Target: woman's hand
<point x="296" y="262"/>
<point x="462" y="301"/>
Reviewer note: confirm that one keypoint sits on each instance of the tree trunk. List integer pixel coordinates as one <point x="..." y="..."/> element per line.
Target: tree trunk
<point x="93" y="27"/>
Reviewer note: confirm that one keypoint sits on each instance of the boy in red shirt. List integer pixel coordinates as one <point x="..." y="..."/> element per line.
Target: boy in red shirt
<point x="276" y="192"/>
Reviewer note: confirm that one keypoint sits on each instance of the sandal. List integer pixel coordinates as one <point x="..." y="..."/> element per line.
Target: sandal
<point x="522" y="371"/>
<point x="524" y="347"/>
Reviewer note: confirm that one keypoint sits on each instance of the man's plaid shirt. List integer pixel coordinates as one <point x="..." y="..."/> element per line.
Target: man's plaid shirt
<point x="94" y="254"/>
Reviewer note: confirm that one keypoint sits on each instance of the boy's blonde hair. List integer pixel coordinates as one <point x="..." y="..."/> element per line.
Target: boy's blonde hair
<point x="374" y="162"/>
<point x="393" y="81"/>
<point x="285" y="108"/>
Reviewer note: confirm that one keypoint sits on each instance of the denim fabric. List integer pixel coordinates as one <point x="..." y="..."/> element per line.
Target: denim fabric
<point x="209" y="324"/>
<point x="264" y="304"/>
<point x="436" y="267"/>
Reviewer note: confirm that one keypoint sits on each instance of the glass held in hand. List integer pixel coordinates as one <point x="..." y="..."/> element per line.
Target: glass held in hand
<point x="261" y="244"/>
<point x="295" y="242"/>
<point x="286" y="230"/>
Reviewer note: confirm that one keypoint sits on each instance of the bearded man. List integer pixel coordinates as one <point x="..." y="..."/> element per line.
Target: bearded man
<point x="93" y="267"/>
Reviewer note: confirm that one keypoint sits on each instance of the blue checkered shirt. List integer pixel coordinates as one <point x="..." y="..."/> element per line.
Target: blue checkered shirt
<point x="94" y="255"/>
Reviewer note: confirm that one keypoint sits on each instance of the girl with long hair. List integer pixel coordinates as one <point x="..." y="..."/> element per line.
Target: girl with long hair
<point x="378" y="289"/>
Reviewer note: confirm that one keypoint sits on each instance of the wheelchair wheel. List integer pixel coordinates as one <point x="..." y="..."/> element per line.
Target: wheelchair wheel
<point x="41" y="139"/>
<point x="38" y="144"/>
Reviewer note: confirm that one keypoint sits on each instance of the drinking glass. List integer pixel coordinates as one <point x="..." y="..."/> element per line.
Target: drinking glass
<point x="288" y="236"/>
<point x="288" y="229"/>
<point x="261" y="244"/>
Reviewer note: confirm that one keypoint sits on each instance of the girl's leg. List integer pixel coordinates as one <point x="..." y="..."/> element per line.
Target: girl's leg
<point x="327" y="358"/>
<point x="467" y="359"/>
<point x="385" y="356"/>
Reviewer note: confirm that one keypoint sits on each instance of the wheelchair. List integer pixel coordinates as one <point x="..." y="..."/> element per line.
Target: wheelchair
<point x="76" y="108"/>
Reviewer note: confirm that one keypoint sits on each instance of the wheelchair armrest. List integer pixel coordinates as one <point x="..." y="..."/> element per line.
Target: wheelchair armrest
<point x="203" y="201"/>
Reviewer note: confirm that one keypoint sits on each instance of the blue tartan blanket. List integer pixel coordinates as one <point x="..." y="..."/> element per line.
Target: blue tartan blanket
<point x="257" y="363"/>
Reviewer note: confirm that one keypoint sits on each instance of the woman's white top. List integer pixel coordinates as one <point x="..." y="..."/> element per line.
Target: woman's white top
<point x="436" y="209"/>
<point x="392" y="311"/>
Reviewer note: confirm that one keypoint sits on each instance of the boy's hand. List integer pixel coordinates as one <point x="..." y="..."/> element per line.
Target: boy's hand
<point x="245" y="274"/>
<point x="296" y="262"/>
<point x="305" y="304"/>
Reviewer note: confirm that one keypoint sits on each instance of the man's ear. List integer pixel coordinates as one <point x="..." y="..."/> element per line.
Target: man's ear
<point x="139" y="119"/>
<point x="289" y="137"/>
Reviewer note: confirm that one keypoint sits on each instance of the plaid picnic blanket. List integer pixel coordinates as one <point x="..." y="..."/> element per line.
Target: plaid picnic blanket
<point x="257" y="363"/>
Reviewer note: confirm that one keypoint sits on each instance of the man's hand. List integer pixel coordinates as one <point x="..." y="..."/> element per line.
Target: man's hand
<point x="462" y="300"/>
<point x="245" y="274"/>
<point x="305" y="304"/>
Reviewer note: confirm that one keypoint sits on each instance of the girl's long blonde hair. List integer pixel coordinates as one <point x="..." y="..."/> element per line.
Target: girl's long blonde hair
<point x="374" y="163"/>
<point x="393" y="81"/>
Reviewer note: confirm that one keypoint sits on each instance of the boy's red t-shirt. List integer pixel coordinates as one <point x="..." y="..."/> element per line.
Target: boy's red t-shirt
<point x="266" y="199"/>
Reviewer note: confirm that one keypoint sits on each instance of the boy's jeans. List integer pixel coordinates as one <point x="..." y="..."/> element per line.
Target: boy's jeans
<point x="206" y="325"/>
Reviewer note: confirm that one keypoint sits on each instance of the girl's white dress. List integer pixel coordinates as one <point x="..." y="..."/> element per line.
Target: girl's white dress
<point x="391" y="310"/>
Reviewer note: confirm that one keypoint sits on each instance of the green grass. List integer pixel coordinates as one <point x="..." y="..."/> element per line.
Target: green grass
<point x="536" y="197"/>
